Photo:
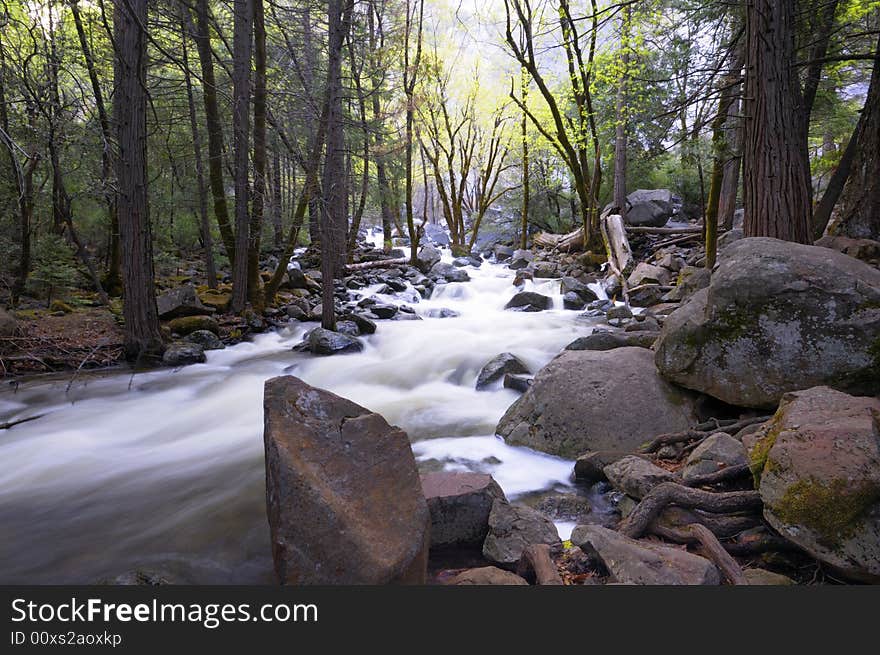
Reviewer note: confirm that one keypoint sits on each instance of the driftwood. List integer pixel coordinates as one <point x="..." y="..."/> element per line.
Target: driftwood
<point x="561" y="242"/>
<point x="378" y="263"/>
<point x="711" y="547"/>
<point x="536" y="563"/>
<point x="703" y="430"/>
<point x="617" y="250"/>
<point x="672" y="493"/>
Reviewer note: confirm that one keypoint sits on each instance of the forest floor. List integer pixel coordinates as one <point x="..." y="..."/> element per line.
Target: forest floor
<point x="49" y="341"/>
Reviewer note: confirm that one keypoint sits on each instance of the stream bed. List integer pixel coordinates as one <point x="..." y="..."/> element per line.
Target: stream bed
<point x="163" y="470"/>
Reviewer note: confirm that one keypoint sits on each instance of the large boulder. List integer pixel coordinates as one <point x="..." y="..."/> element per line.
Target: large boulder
<point x="185" y="325"/>
<point x="182" y="301"/>
<point x="597" y="400"/>
<point x="716" y="452"/>
<point x="818" y="466"/>
<point x="459" y="503"/>
<point x="777" y="317"/>
<point x="343" y="493"/>
<point x="326" y="342"/>
<point x="639" y="562"/>
<point x="427" y="257"/>
<point x="512" y="528"/>
<point x="645" y="273"/>
<point x="649" y="207"/>
<point x="497" y="367"/>
<point x="443" y="271"/>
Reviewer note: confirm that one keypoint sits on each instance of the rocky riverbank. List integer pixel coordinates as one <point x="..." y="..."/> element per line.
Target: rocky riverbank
<point x="733" y="423"/>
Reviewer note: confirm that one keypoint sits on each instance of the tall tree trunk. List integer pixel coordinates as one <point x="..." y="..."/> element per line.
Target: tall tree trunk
<point x="860" y="203"/>
<point x="255" y="291"/>
<point x="113" y="276"/>
<point x="621" y="117"/>
<point x="334" y="184"/>
<point x="204" y="225"/>
<point x="277" y="225"/>
<point x="820" y="35"/>
<point x="720" y="156"/>
<point x="410" y="72"/>
<point x="377" y="40"/>
<point x="776" y="176"/>
<point x="524" y="132"/>
<point x="142" y="335"/>
<point x="214" y="128"/>
<point x="730" y="179"/>
<point x="242" y="40"/>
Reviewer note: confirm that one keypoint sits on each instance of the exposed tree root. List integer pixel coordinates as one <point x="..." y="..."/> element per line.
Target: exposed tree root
<point x="672" y="493"/>
<point x="710" y="545"/>
<point x="701" y="431"/>
<point x="536" y="564"/>
<point x="724" y="475"/>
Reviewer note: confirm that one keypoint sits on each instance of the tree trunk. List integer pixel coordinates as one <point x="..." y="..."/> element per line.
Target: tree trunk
<point x="621" y="118"/>
<point x="277" y="226"/>
<point x="730" y="179"/>
<point x="142" y="335"/>
<point x="242" y="40"/>
<point x="214" y="128"/>
<point x="334" y="180"/>
<point x="204" y="225"/>
<point x="524" y="131"/>
<point x="822" y="215"/>
<point x="255" y="287"/>
<point x="776" y="175"/>
<point x="113" y="276"/>
<point x="860" y="203"/>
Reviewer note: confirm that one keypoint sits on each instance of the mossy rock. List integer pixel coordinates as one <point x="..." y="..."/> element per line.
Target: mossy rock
<point x="60" y="306"/>
<point x="820" y="478"/>
<point x="214" y="299"/>
<point x="188" y="324"/>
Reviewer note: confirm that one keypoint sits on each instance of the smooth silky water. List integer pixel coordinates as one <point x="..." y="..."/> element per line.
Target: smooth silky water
<point x="163" y="471"/>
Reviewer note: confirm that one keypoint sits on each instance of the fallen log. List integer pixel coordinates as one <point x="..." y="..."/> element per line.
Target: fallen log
<point x="536" y="563"/>
<point x="672" y="493"/>
<point x="378" y="263"/>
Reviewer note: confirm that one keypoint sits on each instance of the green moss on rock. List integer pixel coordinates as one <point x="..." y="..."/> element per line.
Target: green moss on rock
<point x="832" y="509"/>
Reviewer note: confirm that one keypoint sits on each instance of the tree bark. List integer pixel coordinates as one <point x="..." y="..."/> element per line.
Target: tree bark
<point x="242" y="41"/>
<point x="214" y="128"/>
<point x="142" y="335"/>
<point x="258" y="202"/>
<point x="776" y="175"/>
<point x="334" y="186"/>
<point x="860" y="203"/>
<point x="204" y="225"/>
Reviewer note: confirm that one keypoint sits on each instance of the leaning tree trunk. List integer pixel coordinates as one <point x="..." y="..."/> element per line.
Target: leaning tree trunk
<point x="860" y="203"/>
<point x="214" y="128"/>
<point x="142" y="335"/>
<point x="776" y="175"/>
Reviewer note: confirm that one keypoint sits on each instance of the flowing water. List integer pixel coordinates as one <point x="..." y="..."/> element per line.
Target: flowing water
<point x="164" y="470"/>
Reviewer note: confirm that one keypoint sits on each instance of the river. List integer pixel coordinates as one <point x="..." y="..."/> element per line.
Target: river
<point x="163" y="470"/>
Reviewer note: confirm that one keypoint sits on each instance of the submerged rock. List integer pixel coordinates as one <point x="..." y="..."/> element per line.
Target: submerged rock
<point x="591" y="400"/>
<point x="777" y="317"/>
<point x="529" y="301"/>
<point x="427" y="257"/>
<point x="497" y="367"/>
<point x="818" y="463"/>
<point x="326" y="342"/>
<point x="343" y="494"/>
<point x="643" y="563"/>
